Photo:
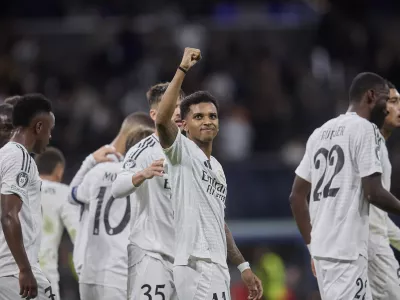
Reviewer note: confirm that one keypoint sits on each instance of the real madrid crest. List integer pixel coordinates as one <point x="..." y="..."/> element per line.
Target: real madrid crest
<point x="22" y="179"/>
<point x="129" y="164"/>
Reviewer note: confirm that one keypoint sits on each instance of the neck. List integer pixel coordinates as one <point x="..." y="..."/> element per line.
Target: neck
<point x="386" y="132"/>
<point x="22" y="137"/>
<point x="119" y="143"/>
<point x="49" y="178"/>
<point x="362" y="112"/>
<point x="206" y="147"/>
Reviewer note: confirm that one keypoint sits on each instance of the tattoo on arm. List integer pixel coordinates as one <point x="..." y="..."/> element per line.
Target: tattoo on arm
<point x="167" y="133"/>
<point x="234" y="254"/>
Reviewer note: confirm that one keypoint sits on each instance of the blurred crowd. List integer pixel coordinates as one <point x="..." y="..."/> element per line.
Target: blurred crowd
<point x="278" y="68"/>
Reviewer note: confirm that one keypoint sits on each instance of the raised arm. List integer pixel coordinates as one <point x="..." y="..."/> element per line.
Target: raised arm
<point x="235" y="257"/>
<point x="167" y="129"/>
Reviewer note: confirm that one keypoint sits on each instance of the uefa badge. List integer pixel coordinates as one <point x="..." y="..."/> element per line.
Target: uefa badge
<point x="129" y="164"/>
<point x="22" y="179"/>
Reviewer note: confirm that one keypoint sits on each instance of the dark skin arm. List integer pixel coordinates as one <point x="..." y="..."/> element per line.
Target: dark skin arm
<point x="298" y="202"/>
<point x="377" y="195"/>
<point x="10" y="207"/>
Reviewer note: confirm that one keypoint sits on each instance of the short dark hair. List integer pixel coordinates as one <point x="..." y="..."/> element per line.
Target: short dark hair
<point x="13" y="100"/>
<point x="362" y="83"/>
<point x="155" y="93"/>
<point x="390" y="85"/>
<point x="136" y="120"/>
<point x="48" y="160"/>
<point x="6" y="109"/>
<point x="137" y="136"/>
<point x="28" y="107"/>
<point x="196" y="98"/>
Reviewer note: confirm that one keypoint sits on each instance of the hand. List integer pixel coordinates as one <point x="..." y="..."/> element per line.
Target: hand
<point x="28" y="285"/>
<point x="313" y="267"/>
<point x="100" y="155"/>
<point x="253" y="284"/>
<point x="190" y="57"/>
<point x="155" y="169"/>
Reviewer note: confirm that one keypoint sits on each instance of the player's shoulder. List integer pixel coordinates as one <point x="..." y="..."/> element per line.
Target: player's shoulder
<point x="144" y="147"/>
<point x="13" y="150"/>
<point x="109" y="166"/>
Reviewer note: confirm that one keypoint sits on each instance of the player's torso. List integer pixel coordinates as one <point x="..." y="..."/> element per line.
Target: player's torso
<point x="53" y="195"/>
<point x="152" y="228"/>
<point x="108" y="230"/>
<point x="339" y="212"/>
<point x="378" y="236"/>
<point x="199" y="193"/>
<point x="28" y="182"/>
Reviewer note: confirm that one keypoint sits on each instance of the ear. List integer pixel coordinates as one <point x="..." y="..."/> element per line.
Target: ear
<point x="184" y="125"/>
<point x="59" y="172"/>
<point x="38" y="127"/>
<point x="153" y="114"/>
<point x="370" y="96"/>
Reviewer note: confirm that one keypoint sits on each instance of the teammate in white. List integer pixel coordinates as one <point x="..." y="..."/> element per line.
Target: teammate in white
<point x="105" y="265"/>
<point x="151" y="248"/>
<point x="341" y="170"/>
<point x="21" y="218"/>
<point x="383" y="268"/>
<point x="57" y="213"/>
<point x="202" y="239"/>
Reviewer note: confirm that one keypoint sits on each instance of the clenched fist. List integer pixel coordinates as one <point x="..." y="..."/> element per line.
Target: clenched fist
<point x="190" y="57"/>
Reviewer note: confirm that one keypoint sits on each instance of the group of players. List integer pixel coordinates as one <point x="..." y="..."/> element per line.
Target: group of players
<point x="145" y="213"/>
<point x="346" y="168"/>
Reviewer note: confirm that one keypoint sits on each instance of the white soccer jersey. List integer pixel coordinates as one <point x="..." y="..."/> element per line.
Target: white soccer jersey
<point x="81" y="239"/>
<point x="19" y="176"/>
<point x="57" y="214"/>
<point x="198" y="193"/>
<point x="338" y="155"/>
<point x="106" y="257"/>
<point x="152" y="229"/>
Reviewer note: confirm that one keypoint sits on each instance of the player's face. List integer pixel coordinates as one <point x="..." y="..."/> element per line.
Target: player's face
<point x="202" y="122"/>
<point x="43" y="130"/>
<point x="378" y="105"/>
<point x="392" y="119"/>
<point x="6" y="128"/>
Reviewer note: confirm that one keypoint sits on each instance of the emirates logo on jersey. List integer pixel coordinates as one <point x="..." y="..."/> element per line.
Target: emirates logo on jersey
<point x="22" y="179"/>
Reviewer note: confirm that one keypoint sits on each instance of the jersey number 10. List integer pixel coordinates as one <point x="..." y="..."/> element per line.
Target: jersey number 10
<point x="110" y="230"/>
<point x="328" y="157"/>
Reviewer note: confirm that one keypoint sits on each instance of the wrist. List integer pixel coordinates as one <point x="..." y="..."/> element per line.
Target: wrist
<point x="24" y="268"/>
<point x="138" y="179"/>
<point x="183" y="69"/>
<point x="243" y="266"/>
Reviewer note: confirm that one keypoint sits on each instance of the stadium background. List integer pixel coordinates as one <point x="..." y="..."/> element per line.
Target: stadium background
<point x="278" y="68"/>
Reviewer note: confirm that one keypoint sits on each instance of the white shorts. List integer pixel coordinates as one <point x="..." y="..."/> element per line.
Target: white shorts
<point x="149" y="277"/>
<point x="383" y="274"/>
<point x="343" y="280"/>
<point x="100" y="292"/>
<point x="202" y="280"/>
<point x="55" y="287"/>
<point x="9" y="287"/>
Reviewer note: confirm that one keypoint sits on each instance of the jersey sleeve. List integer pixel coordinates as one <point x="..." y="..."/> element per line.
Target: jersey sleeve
<point x="367" y="155"/>
<point x="304" y="168"/>
<point x="15" y="174"/>
<point x="81" y="193"/>
<point x="134" y="162"/>
<point x="69" y="215"/>
<point x="174" y="152"/>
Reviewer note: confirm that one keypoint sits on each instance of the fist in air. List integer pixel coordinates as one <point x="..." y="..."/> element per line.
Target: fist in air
<point x="190" y="57"/>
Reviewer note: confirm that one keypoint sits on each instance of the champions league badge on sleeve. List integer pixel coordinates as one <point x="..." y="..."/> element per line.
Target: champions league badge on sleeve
<point x="22" y="179"/>
<point x="129" y="164"/>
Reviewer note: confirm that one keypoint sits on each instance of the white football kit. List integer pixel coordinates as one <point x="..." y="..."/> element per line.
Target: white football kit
<point x="105" y="269"/>
<point x="152" y="237"/>
<point x="19" y="176"/>
<point x="383" y="268"/>
<point x="198" y="192"/>
<point x="57" y="214"/>
<point x="338" y="155"/>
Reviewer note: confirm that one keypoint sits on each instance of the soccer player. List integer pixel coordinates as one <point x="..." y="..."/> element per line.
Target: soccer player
<point x="21" y="218"/>
<point x="105" y="234"/>
<point x="6" y="125"/>
<point x="57" y="213"/>
<point x="12" y="100"/>
<point x="383" y="268"/>
<point x="197" y="180"/>
<point x="131" y="123"/>
<point x="341" y="171"/>
<point x="151" y="247"/>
